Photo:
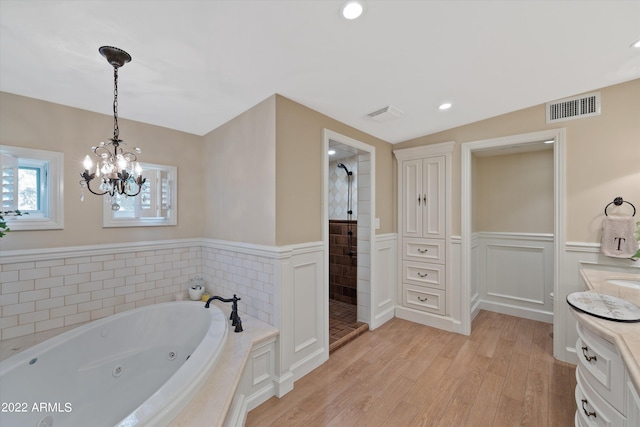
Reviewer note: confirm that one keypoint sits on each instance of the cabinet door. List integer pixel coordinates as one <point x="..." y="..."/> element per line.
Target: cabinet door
<point x="412" y="198"/>
<point x="633" y="404"/>
<point x="433" y="194"/>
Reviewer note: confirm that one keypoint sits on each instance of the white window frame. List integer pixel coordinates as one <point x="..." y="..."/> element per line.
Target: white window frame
<point x="110" y="219"/>
<point x="51" y="215"/>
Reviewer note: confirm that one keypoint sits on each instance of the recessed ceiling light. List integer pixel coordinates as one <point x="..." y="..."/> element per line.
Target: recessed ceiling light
<point x="352" y="10"/>
<point x="636" y="44"/>
<point x="331" y="152"/>
<point x="445" y="106"/>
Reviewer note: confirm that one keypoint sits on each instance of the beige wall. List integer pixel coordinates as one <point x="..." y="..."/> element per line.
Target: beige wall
<point x="31" y="123"/>
<point x="299" y="173"/>
<point x="602" y="155"/>
<point x="239" y="185"/>
<point x="256" y="179"/>
<point x="513" y="192"/>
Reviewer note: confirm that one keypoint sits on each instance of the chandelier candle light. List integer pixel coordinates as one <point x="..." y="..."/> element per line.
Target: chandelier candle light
<point x="118" y="170"/>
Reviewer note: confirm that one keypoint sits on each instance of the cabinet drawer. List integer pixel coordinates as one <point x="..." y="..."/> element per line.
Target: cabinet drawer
<point x="592" y="410"/>
<point x="601" y="365"/>
<point x="423" y="274"/>
<point x="425" y="299"/>
<point x="423" y="250"/>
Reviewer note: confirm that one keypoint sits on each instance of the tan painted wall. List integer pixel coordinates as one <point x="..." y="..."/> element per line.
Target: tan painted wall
<point x="602" y="155"/>
<point x="32" y="123"/>
<point x="513" y="192"/>
<point x="249" y="195"/>
<point x="239" y="168"/>
<point x="299" y="173"/>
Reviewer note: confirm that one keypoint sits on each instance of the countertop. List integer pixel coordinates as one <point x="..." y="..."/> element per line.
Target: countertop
<point x="625" y="336"/>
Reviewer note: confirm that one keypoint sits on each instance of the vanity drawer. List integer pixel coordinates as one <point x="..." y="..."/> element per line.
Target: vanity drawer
<point x="592" y="410"/>
<point x="423" y="274"/>
<point x="601" y="364"/>
<point x="424" y="299"/>
<point x="423" y="250"/>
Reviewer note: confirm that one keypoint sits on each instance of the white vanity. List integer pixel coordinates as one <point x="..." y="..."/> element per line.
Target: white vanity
<point x="608" y="370"/>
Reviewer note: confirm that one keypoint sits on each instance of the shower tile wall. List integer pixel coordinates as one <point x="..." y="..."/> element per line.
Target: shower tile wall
<point x="343" y="269"/>
<point x="338" y="189"/>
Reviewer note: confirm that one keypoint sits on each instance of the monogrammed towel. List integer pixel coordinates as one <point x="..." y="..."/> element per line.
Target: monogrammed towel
<point x="618" y="239"/>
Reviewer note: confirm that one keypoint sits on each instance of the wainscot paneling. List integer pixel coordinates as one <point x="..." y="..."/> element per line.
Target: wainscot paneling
<point x="384" y="279"/>
<point x="514" y="274"/>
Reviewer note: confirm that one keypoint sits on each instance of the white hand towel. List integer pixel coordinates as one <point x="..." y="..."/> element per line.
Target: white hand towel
<point x="618" y="239"/>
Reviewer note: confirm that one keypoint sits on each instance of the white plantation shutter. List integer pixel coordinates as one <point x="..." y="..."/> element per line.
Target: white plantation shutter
<point x="9" y="166"/>
<point x="155" y="205"/>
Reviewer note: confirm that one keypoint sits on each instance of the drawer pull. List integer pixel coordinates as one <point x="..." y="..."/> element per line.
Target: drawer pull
<point x="423" y="274"/>
<point x="422" y="299"/>
<point x="587" y="413"/>
<point x="585" y="351"/>
<point x="423" y="251"/>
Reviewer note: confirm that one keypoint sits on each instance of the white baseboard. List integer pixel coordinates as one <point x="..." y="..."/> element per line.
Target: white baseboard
<point x="434" y="320"/>
<point x="527" y="313"/>
<point x="381" y="318"/>
<point x="283" y="384"/>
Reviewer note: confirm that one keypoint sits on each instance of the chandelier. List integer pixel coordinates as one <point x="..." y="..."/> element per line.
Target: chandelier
<point x="117" y="170"/>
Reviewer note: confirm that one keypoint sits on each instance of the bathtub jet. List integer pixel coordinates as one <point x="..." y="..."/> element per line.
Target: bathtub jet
<point x="235" y="318"/>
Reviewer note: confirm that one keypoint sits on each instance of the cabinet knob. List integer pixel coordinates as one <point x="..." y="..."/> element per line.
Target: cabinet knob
<point x="422" y="274"/>
<point x="422" y="299"/>
<point x="423" y="251"/>
<point x="585" y="353"/>
<point x="587" y="413"/>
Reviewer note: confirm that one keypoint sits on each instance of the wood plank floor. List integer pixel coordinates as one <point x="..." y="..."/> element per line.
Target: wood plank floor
<point x="405" y="374"/>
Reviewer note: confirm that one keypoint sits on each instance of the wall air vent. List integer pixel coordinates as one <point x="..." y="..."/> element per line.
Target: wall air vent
<point x="575" y="107"/>
<point x="385" y="114"/>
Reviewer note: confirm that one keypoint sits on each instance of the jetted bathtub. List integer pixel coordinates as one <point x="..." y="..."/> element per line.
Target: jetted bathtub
<point x="138" y="367"/>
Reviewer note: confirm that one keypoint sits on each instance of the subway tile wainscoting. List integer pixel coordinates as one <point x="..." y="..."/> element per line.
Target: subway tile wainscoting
<point x="46" y="290"/>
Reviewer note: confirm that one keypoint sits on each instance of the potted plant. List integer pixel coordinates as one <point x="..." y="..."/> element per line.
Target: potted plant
<point x="4" y="228"/>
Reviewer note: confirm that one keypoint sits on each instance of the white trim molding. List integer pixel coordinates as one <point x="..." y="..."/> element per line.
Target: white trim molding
<point x="467" y="149"/>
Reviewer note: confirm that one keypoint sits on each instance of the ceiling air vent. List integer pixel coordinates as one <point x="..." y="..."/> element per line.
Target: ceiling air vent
<point x="575" y="107"/>
<point x="385" y="114"/>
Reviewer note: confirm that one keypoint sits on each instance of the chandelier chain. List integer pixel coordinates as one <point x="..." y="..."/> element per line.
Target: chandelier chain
<point x="116" y="130"/>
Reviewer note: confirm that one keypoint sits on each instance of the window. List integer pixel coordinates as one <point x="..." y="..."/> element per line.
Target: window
<point x="32" y="183"/>
<point x="154" y="206"/>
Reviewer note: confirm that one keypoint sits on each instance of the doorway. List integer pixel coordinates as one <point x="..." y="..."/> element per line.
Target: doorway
<point x="347" y="236"/>
<point x="516" y="142"/>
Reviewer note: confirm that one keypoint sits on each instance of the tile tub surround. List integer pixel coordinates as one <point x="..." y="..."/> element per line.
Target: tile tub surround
<point x="625" y="336"/>
<point x="43" y="290"/>
<point x="343" y="269"/>
<point x="50" y="290"/>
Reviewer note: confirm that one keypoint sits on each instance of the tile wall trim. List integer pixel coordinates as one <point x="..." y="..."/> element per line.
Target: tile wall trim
<point x="46" y="254"/>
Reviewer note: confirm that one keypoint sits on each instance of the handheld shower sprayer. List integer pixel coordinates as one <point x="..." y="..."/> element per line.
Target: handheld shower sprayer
<point x="342" y="166"/>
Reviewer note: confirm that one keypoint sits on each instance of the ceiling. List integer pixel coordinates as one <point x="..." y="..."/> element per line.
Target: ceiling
<point x="198" y="64"/>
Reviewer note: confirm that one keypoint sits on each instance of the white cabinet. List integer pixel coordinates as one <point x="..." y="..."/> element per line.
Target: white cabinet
<point x="605" y="396"/>
<point x="633" y="404"/>
<point x="423" y="197"/>
<point x="424" y="175"/>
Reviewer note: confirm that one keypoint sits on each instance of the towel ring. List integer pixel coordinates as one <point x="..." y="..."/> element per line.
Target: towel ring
<point x="618" y="201"/>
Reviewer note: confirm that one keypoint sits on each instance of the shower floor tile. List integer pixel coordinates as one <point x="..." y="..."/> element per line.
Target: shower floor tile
<point x="343" y="324"/>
